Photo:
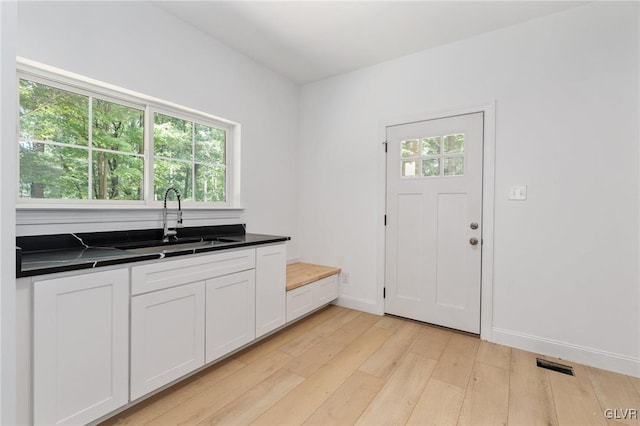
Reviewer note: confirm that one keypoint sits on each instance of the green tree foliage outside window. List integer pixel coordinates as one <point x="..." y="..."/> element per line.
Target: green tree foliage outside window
<point x="77" y="147"/>
<point x="57" y="157"/>
<point x="190" y="157"/>
<point x="117" y="130"/>
<point x="53" y="115"/>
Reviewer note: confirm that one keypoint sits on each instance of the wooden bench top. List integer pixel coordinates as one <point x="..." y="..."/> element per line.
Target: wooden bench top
<point x="299" y="274"/>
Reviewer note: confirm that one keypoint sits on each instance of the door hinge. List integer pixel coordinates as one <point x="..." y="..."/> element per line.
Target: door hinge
<point x="385" y="146"/>
<point x="385" y="220"/>
<point x="384" y="292"/>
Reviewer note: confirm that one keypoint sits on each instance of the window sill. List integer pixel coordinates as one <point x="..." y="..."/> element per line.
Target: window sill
<point x="118" y="205"/>
<point x="156" y="205"/>
<point x="50" y="219"/>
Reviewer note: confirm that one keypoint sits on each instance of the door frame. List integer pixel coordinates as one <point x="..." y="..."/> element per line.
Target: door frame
<point x="488" y="204"/>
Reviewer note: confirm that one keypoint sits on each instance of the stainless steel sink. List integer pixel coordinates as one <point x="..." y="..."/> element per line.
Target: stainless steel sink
<point x="166" y="248"/>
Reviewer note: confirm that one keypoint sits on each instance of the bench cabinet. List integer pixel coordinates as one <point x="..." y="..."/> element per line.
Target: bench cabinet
<point x="309" y="297"/>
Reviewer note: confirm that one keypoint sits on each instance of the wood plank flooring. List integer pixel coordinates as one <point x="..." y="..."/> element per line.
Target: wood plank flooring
<point x="344" y="367"/>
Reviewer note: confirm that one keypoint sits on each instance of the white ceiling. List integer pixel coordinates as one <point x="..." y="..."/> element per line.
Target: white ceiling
<point x="311" y="40"/>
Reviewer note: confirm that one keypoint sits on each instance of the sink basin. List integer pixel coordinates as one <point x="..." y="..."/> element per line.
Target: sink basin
<point x="229" y="240"/>
<point x="165" y="248"/>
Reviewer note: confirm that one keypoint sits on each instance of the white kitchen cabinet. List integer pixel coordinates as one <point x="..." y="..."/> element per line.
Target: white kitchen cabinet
<point x="80" y="347"/>
<point x="230" y="313"/>
<point x="271" y="282"/>
<point x="167" y="336"/>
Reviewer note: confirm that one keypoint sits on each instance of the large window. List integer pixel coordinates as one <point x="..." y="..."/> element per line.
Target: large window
<point x="78" y="145"/>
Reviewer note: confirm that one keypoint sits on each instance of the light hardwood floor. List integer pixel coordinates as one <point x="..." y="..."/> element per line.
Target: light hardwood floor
<point x="343" y="367"/>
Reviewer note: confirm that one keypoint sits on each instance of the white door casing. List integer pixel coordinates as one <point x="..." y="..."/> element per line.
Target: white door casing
<point x="433" y="272"/>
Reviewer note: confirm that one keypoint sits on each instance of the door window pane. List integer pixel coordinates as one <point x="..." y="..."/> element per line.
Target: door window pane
<point x="431" y="146"/>
<point x="410" y="148"/>
<point x="454" y="144"/>
<point x="453" y="166"/>
<point x="431" y="167"/>
<point x="410" y="168"/>
<point x="117" y="176"/>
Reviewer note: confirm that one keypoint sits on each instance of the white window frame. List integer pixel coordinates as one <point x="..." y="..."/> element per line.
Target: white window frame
<point x="54" y="77"/>
<point x="149" y="118"/>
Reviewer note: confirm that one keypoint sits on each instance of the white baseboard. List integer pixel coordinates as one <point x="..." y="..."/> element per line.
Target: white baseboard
<point x="588" y="356"/>
<point x="358" y="304"/>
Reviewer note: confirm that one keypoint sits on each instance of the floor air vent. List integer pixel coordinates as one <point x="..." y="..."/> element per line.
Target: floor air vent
<point x="554" y="366"/>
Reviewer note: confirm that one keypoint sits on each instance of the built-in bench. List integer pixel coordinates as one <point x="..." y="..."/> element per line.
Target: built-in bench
<point x="309" y="287"/>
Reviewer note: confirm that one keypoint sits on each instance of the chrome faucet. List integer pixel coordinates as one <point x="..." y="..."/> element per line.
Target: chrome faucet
<point x="171" y="232"/>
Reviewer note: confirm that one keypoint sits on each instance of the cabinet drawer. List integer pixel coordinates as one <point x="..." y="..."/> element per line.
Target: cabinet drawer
<point x="326" y="290"/>
<point x="305" y="299"/>
<point x="171" y="273"/>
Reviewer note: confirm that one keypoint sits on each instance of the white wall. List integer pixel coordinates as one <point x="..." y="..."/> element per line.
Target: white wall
<point x="566" y="86"/>
<point x="566" y="91"/>
<point x="142" y="48"/>
<point x="8" y="96"/>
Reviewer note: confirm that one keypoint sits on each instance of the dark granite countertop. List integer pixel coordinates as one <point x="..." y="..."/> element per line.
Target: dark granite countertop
<point x="47" y="254"/>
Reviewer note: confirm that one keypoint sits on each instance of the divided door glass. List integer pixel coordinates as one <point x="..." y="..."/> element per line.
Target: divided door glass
<point x="433" y="156"/>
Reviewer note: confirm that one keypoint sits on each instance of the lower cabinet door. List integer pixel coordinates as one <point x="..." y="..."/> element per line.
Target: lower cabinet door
<point x="80" y="347"/>
<point x="271" y="288"/>
<point x="167" y="336"/>
<point x="230" y="313"/>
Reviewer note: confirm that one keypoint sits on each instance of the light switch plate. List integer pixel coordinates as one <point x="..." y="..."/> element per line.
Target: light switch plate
<point x="518" y="193"/>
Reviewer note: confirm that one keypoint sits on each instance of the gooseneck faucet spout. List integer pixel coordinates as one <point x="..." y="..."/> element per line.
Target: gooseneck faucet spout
<point x="171" y="232"/>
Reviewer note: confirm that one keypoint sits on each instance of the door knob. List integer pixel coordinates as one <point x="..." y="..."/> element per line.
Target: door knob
<point x="473" y="241"/>
<point x="473" y="225"/>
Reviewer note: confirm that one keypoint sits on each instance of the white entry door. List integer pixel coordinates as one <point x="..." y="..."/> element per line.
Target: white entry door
<point x="434" y="223"/>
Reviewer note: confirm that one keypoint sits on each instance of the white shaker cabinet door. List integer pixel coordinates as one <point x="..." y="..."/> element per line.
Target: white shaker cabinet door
<point x="167" y="336"/>
<point x="80" y="347"/>
<point x="271" y="277"/>
<point x="230" y="313"/>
